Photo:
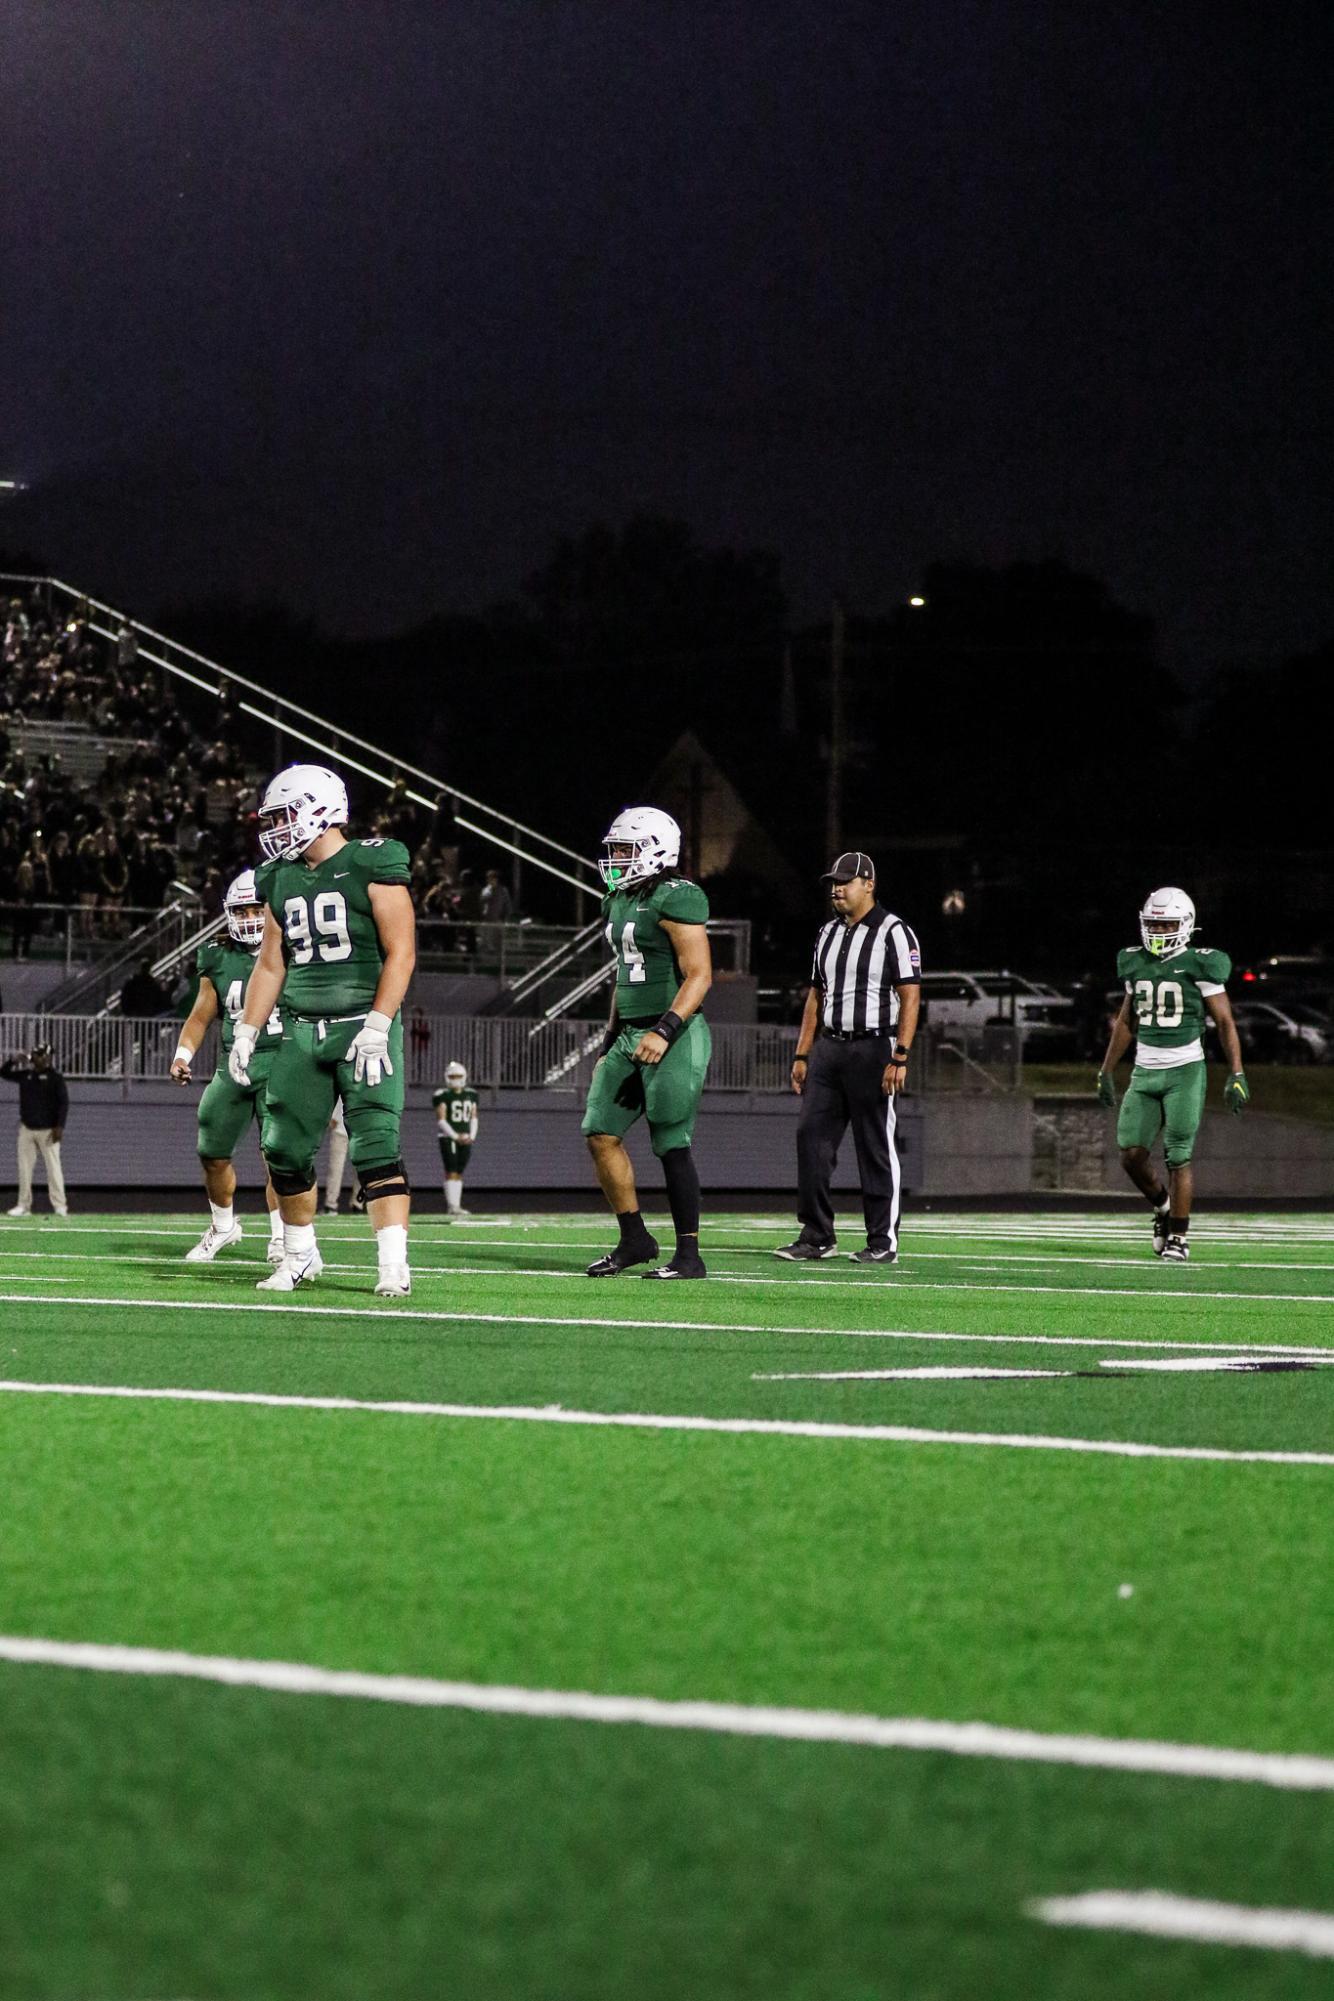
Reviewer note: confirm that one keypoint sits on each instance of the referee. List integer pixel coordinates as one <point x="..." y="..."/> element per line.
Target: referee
<point x="851" y="1061"/>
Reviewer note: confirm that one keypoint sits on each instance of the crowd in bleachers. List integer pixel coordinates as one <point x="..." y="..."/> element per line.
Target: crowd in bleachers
<point x="161" y="806"/>
<point x="166" y="807"/>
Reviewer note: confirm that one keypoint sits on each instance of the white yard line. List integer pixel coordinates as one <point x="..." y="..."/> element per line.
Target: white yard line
<point x="1231" y="1365"/>
<point x="940" y="1375"/>
<point x="313" y="1304"/>
<point x="1157" y="1914"/>
<point x="1287" y="1771"/>
<point x="761" y="1427"/>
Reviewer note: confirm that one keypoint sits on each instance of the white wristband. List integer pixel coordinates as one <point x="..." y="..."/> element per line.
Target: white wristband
<point x="183" y="1055"/>
<point x="380" y="1023"/>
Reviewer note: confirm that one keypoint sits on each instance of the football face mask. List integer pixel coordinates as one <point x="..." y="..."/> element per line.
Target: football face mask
<point x="298" y="806"/>
<point x="244" y="912"/>
<point x="455" y="1076"/>
<point x="639" y="843"/>
<point x="1167" y="923"/>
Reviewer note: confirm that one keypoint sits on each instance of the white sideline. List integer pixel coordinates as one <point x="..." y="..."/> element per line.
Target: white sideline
<point x="1158" y="1914"/>
<point x="616" y="1420"/>
<point x="314" y="1303"/>
<point x="1287" y="1771"/>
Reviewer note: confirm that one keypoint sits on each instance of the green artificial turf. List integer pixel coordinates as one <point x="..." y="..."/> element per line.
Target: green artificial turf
<point x="160" y="1840"/>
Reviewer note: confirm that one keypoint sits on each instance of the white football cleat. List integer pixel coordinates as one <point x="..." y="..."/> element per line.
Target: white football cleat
<point x="395" y="1282"/>
<point x="18" y="1210"/>
<point x="274" y="1250"/>
<point x="213" y="1241"/>
<point x="292" y="1272"/>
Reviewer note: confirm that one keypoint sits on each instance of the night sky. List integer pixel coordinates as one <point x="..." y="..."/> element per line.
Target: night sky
<point x="360" y="303"/>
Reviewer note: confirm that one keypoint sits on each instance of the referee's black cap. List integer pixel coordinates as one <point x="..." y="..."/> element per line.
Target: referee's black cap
<point x="849" y="865"/>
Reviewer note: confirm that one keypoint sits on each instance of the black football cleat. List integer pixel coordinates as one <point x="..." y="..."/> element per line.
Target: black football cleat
<point x="803" y="1251"/>
<point x="873" y="1254"/>
<point x="642" y="1252"/>
<point x="678" y="1267"/>
<point x="1160" y="1230"/>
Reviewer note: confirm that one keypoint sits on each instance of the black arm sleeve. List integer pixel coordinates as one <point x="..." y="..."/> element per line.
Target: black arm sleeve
<point x="62" y="1102"/>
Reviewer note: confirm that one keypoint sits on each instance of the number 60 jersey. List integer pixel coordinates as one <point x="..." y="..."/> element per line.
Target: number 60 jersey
<point x="647" y="975"/>
<point x="330" y="942"/>
<point x="1167" y="999"/>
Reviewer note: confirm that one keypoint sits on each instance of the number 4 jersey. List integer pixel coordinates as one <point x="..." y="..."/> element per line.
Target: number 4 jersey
<point x="1167" y="999"/>
<point x="229" y="967"/>
<point x="648" y="978"/>
<point x="330" y="941"/>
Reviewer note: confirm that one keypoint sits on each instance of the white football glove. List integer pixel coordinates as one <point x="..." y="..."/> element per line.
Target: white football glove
<point x="243" y="1048"/>
<point x="368" y="1050"/>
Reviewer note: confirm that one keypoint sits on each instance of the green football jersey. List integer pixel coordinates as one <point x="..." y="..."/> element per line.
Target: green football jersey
<point x="229" y="967"/>
<point x="647" y="975"/>
<point x="330" y="942"/>
<point x="1167" y="996"/>
<point x="459" y="1107"/>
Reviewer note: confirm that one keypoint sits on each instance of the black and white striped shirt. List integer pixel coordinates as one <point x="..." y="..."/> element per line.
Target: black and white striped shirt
<point x="857" y="967"/>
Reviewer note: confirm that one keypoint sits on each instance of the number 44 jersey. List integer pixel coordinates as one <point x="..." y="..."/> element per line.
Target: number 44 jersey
<point x="1167" y="999"/>
<point x="647" y="975"/>
<point x="330" y="942"/>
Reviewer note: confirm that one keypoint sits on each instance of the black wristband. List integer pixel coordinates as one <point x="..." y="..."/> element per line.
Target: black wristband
<point x="901" y="1054"/>
<point x="800" y="1057"/>
<point x="668" y="1028"/>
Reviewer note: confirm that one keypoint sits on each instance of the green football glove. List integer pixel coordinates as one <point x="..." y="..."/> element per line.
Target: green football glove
<point x="1237" y="1092"/>
<point x="1106" y="1089"/>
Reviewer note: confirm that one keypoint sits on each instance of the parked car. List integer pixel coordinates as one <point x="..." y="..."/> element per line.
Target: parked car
<point x="977" y="1001"/>
<point x="1293" y="1033"/>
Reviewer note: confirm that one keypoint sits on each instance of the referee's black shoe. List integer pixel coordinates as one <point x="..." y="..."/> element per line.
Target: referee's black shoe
<point x="803" y="1251"/>
<point x="874" y="1254"/>
<point x="639" y="1251"/>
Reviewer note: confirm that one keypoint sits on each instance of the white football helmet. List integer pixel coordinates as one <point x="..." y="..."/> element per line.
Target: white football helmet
<point x="653" y="839"/>
<point x="298" y="806"/>
<point x="456" y="1076"/>
<point x="244" y="911"/>
<point x="1167" y="922"/>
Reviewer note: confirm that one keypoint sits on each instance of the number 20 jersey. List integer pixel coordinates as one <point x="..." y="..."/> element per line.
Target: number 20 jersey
<point x="330" y="942"/>
<point x="1167" y="999"/>
<point x="647" y="975"/>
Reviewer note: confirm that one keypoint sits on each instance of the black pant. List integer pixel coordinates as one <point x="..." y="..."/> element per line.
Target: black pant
<point x="843" y="1087"/>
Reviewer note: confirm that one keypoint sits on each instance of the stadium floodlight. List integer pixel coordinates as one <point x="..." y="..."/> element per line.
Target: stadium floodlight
<point x="13" y="486"/>
<point x="917" y="603"/>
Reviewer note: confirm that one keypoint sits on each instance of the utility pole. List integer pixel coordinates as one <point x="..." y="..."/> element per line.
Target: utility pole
<point x="838" y="744"/>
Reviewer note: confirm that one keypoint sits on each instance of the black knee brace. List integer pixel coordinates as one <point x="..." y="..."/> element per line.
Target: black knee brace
<point x="286" y="1182"/>
<point x="379" y="1182"/>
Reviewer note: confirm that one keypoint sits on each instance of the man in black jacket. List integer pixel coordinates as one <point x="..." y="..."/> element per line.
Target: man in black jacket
<point x="43" y="1107"/>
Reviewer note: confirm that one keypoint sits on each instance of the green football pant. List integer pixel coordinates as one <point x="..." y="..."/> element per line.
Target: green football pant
<point x="310" y="1073"/>
<point x="666" y="1094"/>
<point x="1170" y="1101"/>
<point x="454" y="1157"/>
<point x="226" y="1109"/>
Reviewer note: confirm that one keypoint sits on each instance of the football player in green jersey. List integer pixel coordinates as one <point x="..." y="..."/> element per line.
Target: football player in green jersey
<point x="1170" y="987"/>
<point x="339" y="946"/>
<point x="656" y="1052"/>
<point x="224" y="966"/>
<point x="455" y="1109"/>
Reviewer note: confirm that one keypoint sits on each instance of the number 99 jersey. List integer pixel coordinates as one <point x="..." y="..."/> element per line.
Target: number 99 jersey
<point x="1167" y="999"/>
<point x="647" y="975"/>
<point x="330" y="942"/>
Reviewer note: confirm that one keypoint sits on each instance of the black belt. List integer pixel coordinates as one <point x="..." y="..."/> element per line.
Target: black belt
<point x="857" y="1034"/>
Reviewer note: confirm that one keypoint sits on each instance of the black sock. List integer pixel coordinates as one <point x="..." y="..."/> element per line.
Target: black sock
<point x="1177" y="1226"/>
<point x="633" y="1227"/>
<point x="682" y="1180"/>
<point x="1159" y="1201"/>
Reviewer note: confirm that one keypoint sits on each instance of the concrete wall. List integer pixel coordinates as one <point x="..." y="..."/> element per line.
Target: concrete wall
<point x="949" y="1146"/>
<point x="1256" y="1154"/>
